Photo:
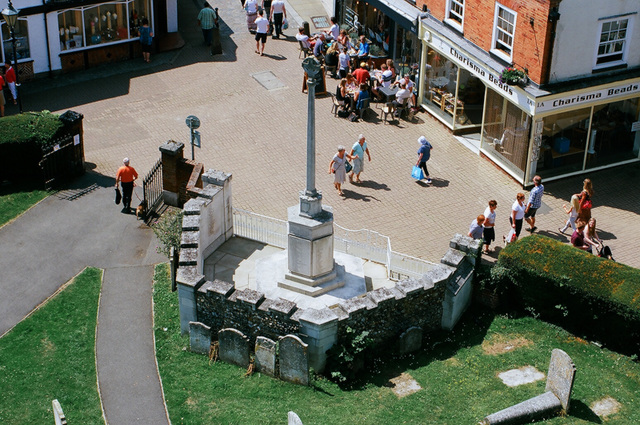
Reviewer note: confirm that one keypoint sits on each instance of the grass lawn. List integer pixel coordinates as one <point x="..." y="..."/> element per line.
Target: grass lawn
<point x="457" y="373"/>
<point x="51" y="355"/>
<point x="16" y="200"/>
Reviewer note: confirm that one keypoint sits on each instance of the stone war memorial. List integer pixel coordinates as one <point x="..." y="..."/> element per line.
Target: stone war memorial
<point x="281" y="294"/>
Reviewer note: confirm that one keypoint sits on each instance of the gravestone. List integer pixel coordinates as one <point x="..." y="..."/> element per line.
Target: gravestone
<point x="560" y="377"/>
<point x="293" y="419"/>
<point x="294" y="360"/>
<point x="199" y="337"/>
<point x="233" y="347"/>
<point x="410" y="340"/>
<point x="265" y="356"/>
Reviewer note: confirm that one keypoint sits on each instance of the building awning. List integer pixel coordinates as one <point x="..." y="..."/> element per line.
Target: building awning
<point x="402" y="12"/>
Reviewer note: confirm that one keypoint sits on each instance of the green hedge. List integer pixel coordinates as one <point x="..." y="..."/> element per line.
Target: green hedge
<point x="37" y="127"/>
<point x="588" y="295"/>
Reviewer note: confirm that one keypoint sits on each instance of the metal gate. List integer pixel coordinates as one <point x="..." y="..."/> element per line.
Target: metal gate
<point x="62" y="158"/>
<point x="152" y="189"/>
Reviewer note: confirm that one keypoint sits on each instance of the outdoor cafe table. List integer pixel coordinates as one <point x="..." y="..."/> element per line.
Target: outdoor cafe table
<point x="388" y="92"/>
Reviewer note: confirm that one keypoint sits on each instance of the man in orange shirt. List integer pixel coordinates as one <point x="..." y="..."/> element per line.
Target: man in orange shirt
<point x="127" y="175"/>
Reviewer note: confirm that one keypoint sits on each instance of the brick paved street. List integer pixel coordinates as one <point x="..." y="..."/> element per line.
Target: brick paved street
<point x="259" y="136"/>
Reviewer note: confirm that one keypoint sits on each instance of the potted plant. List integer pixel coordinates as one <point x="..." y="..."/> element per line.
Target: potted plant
<point x="513" y="76"/>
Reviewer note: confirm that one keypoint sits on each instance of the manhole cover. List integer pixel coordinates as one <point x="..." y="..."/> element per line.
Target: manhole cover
<point x="268" y="80"/>
<point x="320" y="22"/>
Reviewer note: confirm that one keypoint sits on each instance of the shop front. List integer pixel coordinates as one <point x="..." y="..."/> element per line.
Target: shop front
<point x="391" y="26"/>
<point x="526" y="130"/>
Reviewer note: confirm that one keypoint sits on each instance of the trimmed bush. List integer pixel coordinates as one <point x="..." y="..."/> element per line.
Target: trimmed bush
<point x="38" y="127"/>
<point x="585" y="294"/>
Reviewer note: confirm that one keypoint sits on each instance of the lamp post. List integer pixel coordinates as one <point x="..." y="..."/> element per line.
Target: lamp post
<point x="10" y="15"/>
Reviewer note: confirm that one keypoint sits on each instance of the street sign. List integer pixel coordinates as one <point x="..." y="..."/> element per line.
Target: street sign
<point x="193" y="122"/>
<point x="196" y="139"/>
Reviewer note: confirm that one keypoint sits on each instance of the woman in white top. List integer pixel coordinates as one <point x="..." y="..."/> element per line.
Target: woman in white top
<point x="337" y="167"/>
<point x="489" y="233"/>
<point x="517" y="214"/>
<point x="251" y="6"/>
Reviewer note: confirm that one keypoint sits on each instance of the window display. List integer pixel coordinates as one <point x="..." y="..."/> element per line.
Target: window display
<point x="21" y="32"/>
<point x="104" y="23"/>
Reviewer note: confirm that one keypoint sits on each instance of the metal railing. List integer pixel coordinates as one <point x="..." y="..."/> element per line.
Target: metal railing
<point x="152" y="187"/>
<point x="365" y="244"/>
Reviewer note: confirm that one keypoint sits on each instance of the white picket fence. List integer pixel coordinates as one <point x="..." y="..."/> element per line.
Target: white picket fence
<point x="363" y="243"/>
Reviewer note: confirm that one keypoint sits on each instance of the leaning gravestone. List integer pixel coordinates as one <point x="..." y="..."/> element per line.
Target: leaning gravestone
<point x="294" y="360"/>
<point x="199" y="337"/>
<point x="410" y="340"/>
<point x="233" y="347"/>
<point x="265" y="356"/>
<point x="560" y="377"/>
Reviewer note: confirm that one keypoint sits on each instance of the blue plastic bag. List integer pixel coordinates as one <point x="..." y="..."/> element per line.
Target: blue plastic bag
<point x="417" y="173"/>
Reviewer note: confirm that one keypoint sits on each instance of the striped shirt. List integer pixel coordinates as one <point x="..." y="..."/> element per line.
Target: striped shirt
<point x="535" y="196"/>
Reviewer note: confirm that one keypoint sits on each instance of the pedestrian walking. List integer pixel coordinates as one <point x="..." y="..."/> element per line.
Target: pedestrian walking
<point x="585" y="201"/>
<point x="489" y="233"/>
<point x="424" y="153"/>
<point x="278" y="15"/>
<point x="251" y="6"/>
<point x="337" y="166"/>
<point x="146" y="40"/>
<point x="515" y="218"/>
<point x="357" y="152"/>
<point x="573" y="214"/>
<point x="10" y="78"/>
<point x="2" y="100"/>
<point x="475" y="229"/>
<point x="535" y="200"/>
<point x="207" y="20"/>
<point x="126" y="176"/>
<point x="266" y="5"/>
<point x="262" y="28"/>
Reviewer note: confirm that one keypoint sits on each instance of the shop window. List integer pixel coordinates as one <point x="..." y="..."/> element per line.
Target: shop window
<point x="455" y="13"/>
<point x="21" y="32"/>
<point x="612" y="44"/>
<point x="611" y="139"/>
<point x="104" y="23"/>
<point x="503" y="31"/>
<point x="505" y="136"/>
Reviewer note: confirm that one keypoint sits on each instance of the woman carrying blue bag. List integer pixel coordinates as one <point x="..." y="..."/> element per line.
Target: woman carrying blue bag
<point x="424" y="153"/>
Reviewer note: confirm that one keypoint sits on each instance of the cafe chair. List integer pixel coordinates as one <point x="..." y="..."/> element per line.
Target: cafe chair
<point x="305" y="52"/>
<point x="335" y="105"/>
<point x="387" y="111"/>
<point x="366" y="105"/>
<point x="403" y="108"/>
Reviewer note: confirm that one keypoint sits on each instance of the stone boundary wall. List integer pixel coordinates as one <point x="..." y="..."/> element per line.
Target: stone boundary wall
<point x="435" y="301"/>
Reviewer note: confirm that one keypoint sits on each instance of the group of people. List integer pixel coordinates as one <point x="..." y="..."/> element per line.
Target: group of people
<point x="340" y="166"/>
<point x="357" y="86"/>
<point x="584" y="235"/>
<point x="264" y="19"/>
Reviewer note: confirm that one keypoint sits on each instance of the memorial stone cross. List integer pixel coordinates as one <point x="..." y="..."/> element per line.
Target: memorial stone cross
<point x="313" y="69"/>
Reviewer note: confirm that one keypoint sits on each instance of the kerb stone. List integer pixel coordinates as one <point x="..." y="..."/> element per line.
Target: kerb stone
<point x="265" y="356"/>
<point x="233" y="347"/>
<point x="294" y="360"/>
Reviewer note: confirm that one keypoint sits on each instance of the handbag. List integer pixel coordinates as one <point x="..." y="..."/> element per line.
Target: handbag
<point x="417" y="173"/>
<point x="511" y="237"/>
<point x="118" y="196"/>
<point x="348" y="166"/>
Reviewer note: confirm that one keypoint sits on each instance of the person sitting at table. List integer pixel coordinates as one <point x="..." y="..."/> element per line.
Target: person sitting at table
<point x="402" y="97"/>
<point x="392" y="68"/>
<point x="361" y="96"/>
<point x="331" y="57"/>
<point x="342" y="95"/>
<point x="352" y="84"/>
<point x="318" y="48"/>
<point x="344" y="61"/>
<point x="362" y="74"/>
<point x="384" y="80"/>
<point x="410" y="85"/>
<point x="363" y="49"/>
<point x="307" y="42"/>
<point x="334" y="31"/>
<point x="344" y="40"/>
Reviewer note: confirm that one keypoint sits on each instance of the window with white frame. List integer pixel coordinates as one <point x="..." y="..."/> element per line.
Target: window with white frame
<point x="612" y="44"/>
<point x="504" y="28"/>
<point x="455" y="13"/>
<point x="21" y="32"/>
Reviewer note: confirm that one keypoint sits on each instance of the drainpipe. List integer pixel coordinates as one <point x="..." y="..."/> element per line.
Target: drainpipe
<point x="554" y="16"/>
<point x="46" y="35"/>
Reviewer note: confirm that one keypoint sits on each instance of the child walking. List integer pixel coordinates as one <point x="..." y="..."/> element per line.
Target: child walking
<point x="573" y="214"/>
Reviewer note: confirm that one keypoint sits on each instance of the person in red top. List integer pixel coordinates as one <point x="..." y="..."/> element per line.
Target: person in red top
<point x="127" y="175"/>
<point x="361" y="74"/>
<point x="2" y="101"/>
<point x="10" y="76"/>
